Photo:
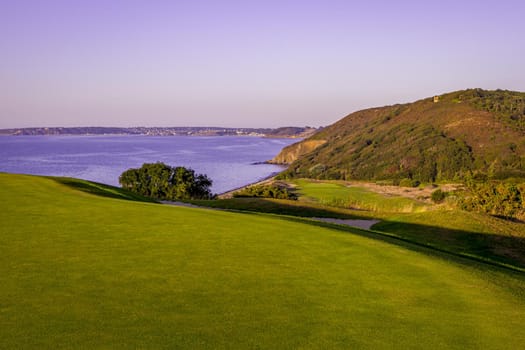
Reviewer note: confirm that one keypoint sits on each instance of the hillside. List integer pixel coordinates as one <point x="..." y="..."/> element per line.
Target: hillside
<point x="79" y="270"/>
<point x="433" y="139"/>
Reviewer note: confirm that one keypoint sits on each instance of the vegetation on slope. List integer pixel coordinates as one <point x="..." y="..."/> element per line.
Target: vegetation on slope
<point x="274" y="190"/>
<point x="84" y="271"/>
<point x="508" y="106"/>
<point x="466" y="132"/>
<point x="500" y="199"/>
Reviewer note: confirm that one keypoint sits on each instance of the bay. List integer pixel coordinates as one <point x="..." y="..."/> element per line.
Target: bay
<point x="230" y="161"/>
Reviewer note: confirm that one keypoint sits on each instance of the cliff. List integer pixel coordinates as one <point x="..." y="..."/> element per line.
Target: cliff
<point x="291" y="153"/>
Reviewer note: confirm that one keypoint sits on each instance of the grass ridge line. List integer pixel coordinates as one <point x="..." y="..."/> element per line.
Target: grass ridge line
<point x="381" y="234"/>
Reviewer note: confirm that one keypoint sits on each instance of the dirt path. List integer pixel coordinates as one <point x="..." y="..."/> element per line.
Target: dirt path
<point x="182" y="204"/>
<point x="364" y="224"/>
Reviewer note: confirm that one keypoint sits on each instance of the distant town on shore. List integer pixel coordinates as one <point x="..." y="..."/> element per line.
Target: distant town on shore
<point x="284" y="132"/>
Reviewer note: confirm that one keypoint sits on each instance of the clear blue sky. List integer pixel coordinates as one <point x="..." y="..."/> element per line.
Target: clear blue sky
<point x="245" y="63"/>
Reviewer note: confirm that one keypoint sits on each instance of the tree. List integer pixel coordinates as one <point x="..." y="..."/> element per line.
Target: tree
<point x="161" y="181"/>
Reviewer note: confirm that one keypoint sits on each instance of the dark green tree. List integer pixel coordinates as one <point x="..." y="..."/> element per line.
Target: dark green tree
<point x="161" y="181"/>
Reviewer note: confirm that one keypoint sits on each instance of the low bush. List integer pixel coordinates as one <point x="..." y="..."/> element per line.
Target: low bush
<point x="266" y="191"/>
<point x="438" y="196"/>
<point x="409" y="183"/>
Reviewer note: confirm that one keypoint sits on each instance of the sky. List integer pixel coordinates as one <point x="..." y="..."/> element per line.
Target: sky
<point x="245" y="63"/>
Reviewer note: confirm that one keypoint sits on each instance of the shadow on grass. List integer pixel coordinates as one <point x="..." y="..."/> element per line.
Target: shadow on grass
<point x="102" y="190"/>
<point x="498" y="250"/>
<point x="281" y="207"/>
<point x="506" y="252"/>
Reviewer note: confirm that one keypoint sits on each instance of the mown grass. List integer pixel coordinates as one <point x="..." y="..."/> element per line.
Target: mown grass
<point x="100" y="189"/>
<point x="469" y="234"/>
<point x="335" y="194"/>
<point x="82" y="271"/>
<point x="283" y="207"/>
<point x="473" y="234"/>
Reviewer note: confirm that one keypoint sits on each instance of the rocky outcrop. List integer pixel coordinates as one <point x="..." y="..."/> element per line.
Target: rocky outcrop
<point x="290" y="153"/>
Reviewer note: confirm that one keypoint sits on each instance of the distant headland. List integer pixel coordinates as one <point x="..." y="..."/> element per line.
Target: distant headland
<point x="283" y="132"/>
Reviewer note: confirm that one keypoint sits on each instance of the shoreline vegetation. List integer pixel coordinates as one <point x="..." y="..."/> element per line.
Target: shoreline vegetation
<point x="264" y="181"/>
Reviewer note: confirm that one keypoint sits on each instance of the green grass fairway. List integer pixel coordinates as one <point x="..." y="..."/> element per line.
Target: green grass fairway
<point x="83" y="271"/>
<point x="333" y="193"/>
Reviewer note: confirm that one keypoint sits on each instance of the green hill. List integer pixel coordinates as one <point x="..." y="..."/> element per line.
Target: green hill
<point x="433" y="139"/>
<point x="81" y="270"/>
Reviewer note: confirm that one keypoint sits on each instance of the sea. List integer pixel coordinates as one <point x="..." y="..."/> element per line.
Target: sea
<point x="230" y="161"/>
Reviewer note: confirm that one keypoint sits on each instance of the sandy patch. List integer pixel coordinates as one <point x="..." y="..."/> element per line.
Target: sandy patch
<point x="415" y="193"/>
<point x="181" y="204"/>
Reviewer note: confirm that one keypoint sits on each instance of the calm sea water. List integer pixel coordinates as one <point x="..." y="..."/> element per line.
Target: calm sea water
<point x="228" y="161"/>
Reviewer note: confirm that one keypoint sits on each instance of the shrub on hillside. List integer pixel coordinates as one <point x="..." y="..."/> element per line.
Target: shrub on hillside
<point x="495" y="198"/>
<point x="161" y="181"/>
<point x="438" y="196"/>
<point x="266" y="191"/>
<point x="409" y="183"/>
<point x="509" y="106"/>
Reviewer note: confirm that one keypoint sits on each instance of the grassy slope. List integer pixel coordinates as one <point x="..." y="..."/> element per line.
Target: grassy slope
<point x="102" y="190"/>
<point x="338" y="195"/>
<point x="82" y="271"/>
<point x="467" y="233"/>
<point x="470" y="234"/>
<point x="458" y="231"/>
<point x="419" y="139"/>
<point x="283" y="207"/>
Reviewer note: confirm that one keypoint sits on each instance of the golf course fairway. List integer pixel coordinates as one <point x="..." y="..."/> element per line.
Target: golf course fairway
<point x="78" y="270"/>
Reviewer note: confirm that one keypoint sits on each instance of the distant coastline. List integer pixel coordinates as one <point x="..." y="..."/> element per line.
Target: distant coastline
<point x="283" y="132"/>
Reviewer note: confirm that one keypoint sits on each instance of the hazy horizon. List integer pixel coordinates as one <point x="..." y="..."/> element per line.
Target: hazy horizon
<point x="261" y="64"/>
<point x="155" y="126"/>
